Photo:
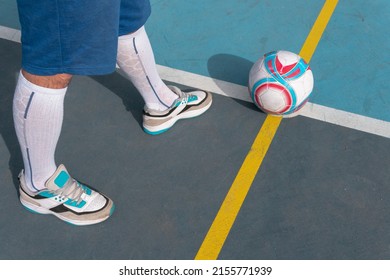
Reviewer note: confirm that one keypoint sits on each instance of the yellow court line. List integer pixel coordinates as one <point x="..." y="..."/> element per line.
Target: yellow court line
<point x="223" y="222"/>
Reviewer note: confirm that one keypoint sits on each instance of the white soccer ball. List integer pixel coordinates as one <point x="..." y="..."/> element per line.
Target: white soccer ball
<point x="280" y="83"/>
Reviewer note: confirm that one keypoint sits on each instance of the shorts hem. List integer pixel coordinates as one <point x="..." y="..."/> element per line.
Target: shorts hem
<point x="132" y="29"/>
<point x="82" y="71"/>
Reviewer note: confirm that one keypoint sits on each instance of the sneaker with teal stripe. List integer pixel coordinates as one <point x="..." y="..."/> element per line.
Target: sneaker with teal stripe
<point x="67" y="199"/>
<point x="188" y="105"/>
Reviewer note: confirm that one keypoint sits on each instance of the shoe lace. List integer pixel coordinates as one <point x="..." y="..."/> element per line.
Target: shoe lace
<point x="185" y="98"/>
<point x="73" y="192"/>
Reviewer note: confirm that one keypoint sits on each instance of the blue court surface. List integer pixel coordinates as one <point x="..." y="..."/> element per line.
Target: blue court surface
<point x="322" y="188"/>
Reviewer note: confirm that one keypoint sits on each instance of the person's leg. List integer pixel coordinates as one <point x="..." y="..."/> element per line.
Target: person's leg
<point x="163" y="105"/>
<point x="44" y="187"/>
<point x="135" y="55"/>
<point x="58" y="81"/>
<point x="38" y="114"/>
<point x="59" y="39"/>
<point x="136" y="59"/>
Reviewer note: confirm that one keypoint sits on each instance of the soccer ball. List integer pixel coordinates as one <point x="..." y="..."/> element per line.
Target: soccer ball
<point x="280" y="83"/>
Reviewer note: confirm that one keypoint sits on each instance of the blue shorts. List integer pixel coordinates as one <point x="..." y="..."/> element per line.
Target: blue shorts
<point x="78" y="37"/>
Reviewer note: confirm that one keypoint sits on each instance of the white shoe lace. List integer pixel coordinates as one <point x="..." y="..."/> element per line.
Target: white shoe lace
<point x="184" y="98"/>
<point x="72" y="192"/>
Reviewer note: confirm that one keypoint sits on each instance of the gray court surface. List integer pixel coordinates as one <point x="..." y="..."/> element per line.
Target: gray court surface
<point x="322" y="191"/>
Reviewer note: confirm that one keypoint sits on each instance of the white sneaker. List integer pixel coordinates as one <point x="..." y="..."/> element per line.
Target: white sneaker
<point x="188" y="105"/>
<point x="67" y="199"/>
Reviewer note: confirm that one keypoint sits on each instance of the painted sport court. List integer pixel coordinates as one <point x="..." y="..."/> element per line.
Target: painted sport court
<point x="233" y="183"/>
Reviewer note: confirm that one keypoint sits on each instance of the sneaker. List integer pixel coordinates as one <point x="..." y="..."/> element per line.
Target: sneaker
<point x="67" y="199"/>
<point x="188" y="105"/>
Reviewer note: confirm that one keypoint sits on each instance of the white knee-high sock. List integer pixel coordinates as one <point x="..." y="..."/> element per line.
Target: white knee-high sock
<point x="38" y="114"/>
<point x="135" y="57"/>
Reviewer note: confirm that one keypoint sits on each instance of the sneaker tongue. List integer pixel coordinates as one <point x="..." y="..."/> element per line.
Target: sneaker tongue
<point x="176" y="91"/>
<point x="59" y="179"/>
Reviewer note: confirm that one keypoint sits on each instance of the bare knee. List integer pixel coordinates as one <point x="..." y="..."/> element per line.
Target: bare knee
<point x="55" y="81"/>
